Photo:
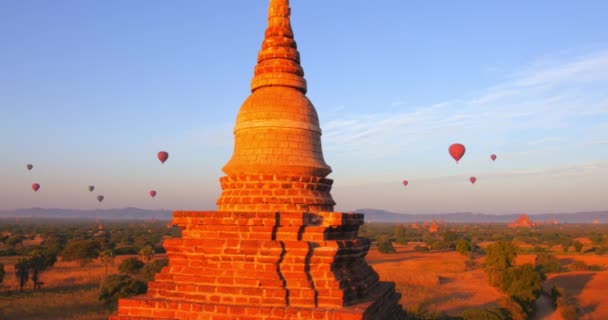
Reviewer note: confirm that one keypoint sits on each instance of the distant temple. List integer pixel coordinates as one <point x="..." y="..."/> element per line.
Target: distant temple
<point x="274" y="249"/>
<point x="433" y="227"/>
<point x="522" y="222"/>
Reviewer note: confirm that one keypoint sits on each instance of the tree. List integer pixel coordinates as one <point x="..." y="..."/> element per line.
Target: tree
<point x="119" y="286"/>
<point x="130" y="266"/>
<point x="385" y="245"/>
<point x="153" y="268"/>
<point x="83" y="250"/>
<point x="565" y="242"/>
<point x="38" y="262"/>
<point x="107" y="257"/>
<point x="499" y="257"/>
<point x="22" y="272"/>
<point x="463" y="246"/>
<point x="547" y="263"/>
<point x="2" y="272"/>
<point x="146" y="253"/>
<point x="578" y="246"/>
<point x="400" y="235"/>
<point x="523" y="284"/>
<point x="484" y="314"/>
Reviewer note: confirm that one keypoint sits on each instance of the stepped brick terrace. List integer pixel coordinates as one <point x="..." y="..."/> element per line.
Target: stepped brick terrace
<point x="275" y="249"/>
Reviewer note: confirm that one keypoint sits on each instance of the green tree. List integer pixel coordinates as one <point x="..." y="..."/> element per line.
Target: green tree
<point x="2" y="272"/>
<point x="147" y="253"/>
<point x="565" y="242"/>
<point x="463" y="246"/>
<point x="400" y="234"/>
<point x="107" y="258"/>
<point x="153" y="268"/>
<point x="499" y="257"/>
<point x="83" y="250"/>
<point x="547" y="263"/>
<point x="578" y="246"/>
<point x="484" y="314"/>
<point x="119" y="286"/>
<point x="22" y="272"/>
<point x="130" y="266"/>
<point x="38" y="262"/>
<point x="385" y="245"/>
<point x="523" y="284"/>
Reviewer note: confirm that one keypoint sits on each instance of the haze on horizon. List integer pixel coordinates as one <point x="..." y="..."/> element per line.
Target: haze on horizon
<point x="90" y="92"/>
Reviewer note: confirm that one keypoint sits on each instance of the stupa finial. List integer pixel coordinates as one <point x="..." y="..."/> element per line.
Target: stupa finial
<point x="279" y="59"/>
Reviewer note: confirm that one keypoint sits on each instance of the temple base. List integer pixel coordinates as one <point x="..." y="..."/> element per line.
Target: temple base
<point x="384" y="306"/>
<point x="266" y="265"/>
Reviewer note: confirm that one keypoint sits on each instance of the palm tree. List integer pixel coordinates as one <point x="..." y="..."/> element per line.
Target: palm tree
<point x="22" y="271"/>
<point x="107" y="257"/>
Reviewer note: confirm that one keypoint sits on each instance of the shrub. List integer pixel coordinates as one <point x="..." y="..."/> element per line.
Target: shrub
<point x="578" y="266"/>
<point x="131" y="266"/>
<point x="83" y="250"/>
<point x="547" y="263"/>
<point x="421" y="248"/>
<point x="153" y="268"/>
<point x="119" y="286"/>
<point x="484" y="314"/>
<point x="2" y="272"/>
<point x="385" y="245"/>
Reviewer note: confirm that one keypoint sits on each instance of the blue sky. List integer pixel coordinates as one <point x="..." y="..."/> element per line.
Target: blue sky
<point x="90" y="91"/>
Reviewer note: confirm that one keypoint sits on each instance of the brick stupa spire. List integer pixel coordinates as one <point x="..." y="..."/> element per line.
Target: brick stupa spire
<point x="277" y="164"/>
<point x="275" y="249"/>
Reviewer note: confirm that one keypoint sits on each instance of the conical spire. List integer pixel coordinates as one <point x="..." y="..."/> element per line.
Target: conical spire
<point x="279" y="59"/>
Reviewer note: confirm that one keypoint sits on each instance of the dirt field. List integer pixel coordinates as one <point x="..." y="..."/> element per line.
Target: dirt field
<point x="70" y="292"/>
<point x="434" y="281"/>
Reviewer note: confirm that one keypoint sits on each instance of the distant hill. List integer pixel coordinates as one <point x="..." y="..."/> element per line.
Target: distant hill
<point x="371" y="215"/>
<point x="105" y="214"/>
<point x="375" y="215"/>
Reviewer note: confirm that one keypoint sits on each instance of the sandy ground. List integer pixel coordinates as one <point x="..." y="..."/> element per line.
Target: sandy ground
<point x="437" y="281"/>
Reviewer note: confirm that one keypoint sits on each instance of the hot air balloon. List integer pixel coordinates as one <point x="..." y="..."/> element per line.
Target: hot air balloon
<point x="457" y="151"/>
<point x="405" y="182"/>
<point x="100" y="198"/>
<point x="472" y="179"/>
<point x="91" y="188"/>
<point x="163" y="156"/>
<point x="29" y="166"/>
<point x="152" y="193"/>
<point x="35" y="186"/>
<point x="493" y="157"/>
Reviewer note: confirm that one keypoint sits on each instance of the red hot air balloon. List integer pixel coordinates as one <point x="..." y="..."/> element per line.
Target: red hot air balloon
<point x="472" y="179"/>
<point x="493" y="157"/>
<point x="405" y="182"/>
<point x="152" y="193"/>
<point x="457" y="151"/>
<point x="100" y="198"/>
<point x="35" y="187"/>
<point x="163" y="156"/>
<point x="29" y="166"/>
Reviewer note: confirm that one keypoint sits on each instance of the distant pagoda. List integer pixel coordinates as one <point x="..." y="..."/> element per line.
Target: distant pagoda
<point x="522" y="222"/>
<point x="275" y="249"/>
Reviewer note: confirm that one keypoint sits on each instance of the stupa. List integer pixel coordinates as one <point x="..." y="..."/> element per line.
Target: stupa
<point x="274" y="249"/>
<point x="522" y="222"/>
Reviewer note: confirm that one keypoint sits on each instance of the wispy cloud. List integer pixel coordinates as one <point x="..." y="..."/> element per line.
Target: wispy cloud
<point x="527" y="108"/>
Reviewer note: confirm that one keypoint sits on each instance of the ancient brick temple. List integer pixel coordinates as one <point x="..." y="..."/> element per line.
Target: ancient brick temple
<point x="275" y="249"/>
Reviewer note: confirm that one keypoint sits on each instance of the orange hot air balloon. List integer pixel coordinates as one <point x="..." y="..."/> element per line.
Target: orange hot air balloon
<point x="152" y="193"/>
<point x="100" y="198"/>
<point x="473" y="180"/>
<point x="29" y="166"/>
<point x="91" y="188"/>
<point x="405" y="182"/>
<point x="35" y="186"/>
<point x="493" y="157"/>
<point x="457" y="151"/>
<point x="163" y="156"/>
